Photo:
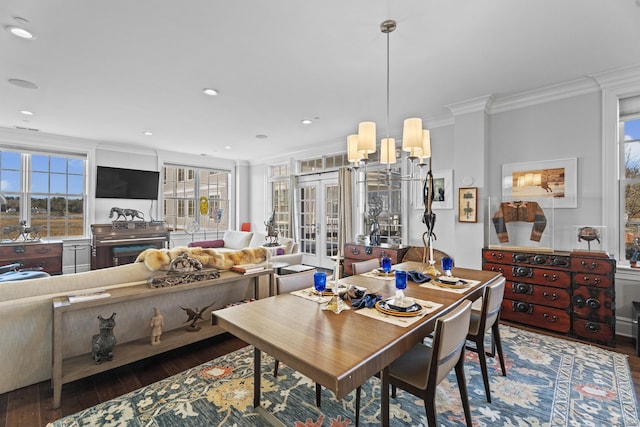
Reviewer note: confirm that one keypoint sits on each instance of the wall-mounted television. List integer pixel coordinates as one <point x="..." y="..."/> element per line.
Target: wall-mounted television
<point x="118" y="183"/>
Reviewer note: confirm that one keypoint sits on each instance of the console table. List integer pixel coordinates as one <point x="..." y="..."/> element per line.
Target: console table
<point x="45" y="255"/>
<point x="134" y="304"/>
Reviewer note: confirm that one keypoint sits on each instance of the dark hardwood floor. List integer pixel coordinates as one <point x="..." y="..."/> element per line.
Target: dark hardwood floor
<point x="31" y="406"/>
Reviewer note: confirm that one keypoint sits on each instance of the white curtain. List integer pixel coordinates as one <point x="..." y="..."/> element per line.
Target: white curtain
<point x="345" y="208"/>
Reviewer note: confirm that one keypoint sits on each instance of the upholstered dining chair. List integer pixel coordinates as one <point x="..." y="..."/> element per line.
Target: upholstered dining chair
<point x="365" y="266"/>
<point x="289" y="283"/>
<point x="486" y="318"/>
<point x="423" y="367"/>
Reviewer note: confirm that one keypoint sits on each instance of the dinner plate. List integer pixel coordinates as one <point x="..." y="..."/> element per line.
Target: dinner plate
<point x="451" y="282"/>
<point x="384" y="308"/>
<point x="379" y="272"/>
<point x="329" y="291"/>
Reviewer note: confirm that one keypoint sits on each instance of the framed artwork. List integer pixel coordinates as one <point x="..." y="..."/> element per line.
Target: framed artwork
<point x="550" y="183"/>
<point x="442" y="188"/>
<point x="468" y="204"/>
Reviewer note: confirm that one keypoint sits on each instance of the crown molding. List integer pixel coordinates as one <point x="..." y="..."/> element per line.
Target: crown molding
<point x="543" y="95"/>
<point x="473" y="105"/>
<point x="621" y="77"/>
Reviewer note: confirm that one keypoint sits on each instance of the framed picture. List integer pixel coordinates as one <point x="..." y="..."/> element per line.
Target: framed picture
<point x="468" y="204"/>
<point x="550" y="183"/>
<point x="442" y="188"/>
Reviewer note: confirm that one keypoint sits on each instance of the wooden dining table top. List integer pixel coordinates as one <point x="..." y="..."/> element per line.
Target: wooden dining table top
<point x="341" y="351"/>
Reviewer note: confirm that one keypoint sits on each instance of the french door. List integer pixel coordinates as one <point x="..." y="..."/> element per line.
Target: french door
<point x="318" y="218"/>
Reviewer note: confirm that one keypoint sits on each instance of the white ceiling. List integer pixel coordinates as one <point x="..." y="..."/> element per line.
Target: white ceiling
<point x="110" y="70"/>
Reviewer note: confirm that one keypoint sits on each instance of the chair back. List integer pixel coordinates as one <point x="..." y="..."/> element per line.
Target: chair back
<point x="365" y="266"/>
<point x="491" y="304"/>
<point x="449" y="341"/>
<point x="294" y="282"/>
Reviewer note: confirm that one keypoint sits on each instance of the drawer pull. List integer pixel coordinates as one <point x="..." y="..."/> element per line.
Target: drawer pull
<point x="522" y="272"/>
<point x="355" y="251"/>
<point x="498" y="269"/>
<point x="550" y="297"/>
<point x="368" y="250"/>
<point x="521" y="307"/>
<point x="497" y="255"/>
<point x="521" y="288"/>
<point x="551" y="278"/>
<point x="19" y="249"/>
<point x="561" y="262"/>
<point x="592" y="327"/>
<point x="520" y="258"/>
<point x="596" y="280"/>
<point x="540" y="259"/>
<point x="592" y="266"/>
<point x="552" y="319"/>
<point x="578" y="301"/>
<point x="593" y="303"/>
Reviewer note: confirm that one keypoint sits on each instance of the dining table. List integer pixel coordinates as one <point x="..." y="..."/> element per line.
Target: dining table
<point x="340" y="351"/>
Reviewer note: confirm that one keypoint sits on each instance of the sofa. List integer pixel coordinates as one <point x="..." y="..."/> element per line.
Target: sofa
<point x="26" y="309"/>
<point x="286" y="252"/>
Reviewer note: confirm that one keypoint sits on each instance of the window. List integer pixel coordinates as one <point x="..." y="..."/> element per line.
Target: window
<point x="195" y="194"/>
<point x="630" y="183"/>
<point x="280" y="197"/>
<point x="43" y="191"/>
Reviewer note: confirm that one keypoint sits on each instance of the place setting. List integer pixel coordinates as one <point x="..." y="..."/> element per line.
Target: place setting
<point x="385" y="272"/>
<point x="399" y="309"/>
<point x="449" y="282"/>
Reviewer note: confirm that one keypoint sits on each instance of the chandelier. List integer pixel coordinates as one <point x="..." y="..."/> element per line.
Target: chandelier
<point x="415" y="140"/>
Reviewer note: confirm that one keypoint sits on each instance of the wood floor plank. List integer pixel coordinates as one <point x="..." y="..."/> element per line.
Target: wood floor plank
<point x="23" y="407"/>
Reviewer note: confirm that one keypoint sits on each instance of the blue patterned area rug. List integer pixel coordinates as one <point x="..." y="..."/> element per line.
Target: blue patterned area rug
<point x="550" y="382"/>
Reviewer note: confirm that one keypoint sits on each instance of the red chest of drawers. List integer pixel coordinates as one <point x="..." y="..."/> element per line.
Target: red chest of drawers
<point x="573" y="295"/>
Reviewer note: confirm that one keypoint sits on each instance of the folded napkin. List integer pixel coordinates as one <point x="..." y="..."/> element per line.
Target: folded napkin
<point x="368" y="300"/>
<point x="417" y="277"/>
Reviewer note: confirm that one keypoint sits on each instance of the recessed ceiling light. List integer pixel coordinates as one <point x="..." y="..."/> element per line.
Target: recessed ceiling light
<point x="148" y="133"/>
<point x="307" y="121"/>
<point x="210" y="92"/>
<point x="23" y="83"/>
<point x="227" y="147"/>
<point x="20" y="32"/>
<point x="261" y="136"/>
<point x="26" y="112"/>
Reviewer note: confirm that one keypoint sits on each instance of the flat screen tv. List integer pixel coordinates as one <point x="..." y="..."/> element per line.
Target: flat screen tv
<point x="118" y="183"/>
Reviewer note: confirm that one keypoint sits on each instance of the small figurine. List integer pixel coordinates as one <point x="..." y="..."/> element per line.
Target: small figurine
<point x="588" y="234"/>
<point x="194" y="316"/>
<point x="133" y="213"/>
<point x="157" y="321"/>
<point x="102" y="344"/>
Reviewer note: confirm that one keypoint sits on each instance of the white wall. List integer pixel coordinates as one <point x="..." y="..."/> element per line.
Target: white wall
<point x="558" y="129"/>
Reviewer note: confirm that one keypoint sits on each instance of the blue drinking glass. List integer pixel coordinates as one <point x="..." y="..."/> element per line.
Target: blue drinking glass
<point x="386" y="264"/>
<point x="447" y="265"/>
<point x="320" y="283"/>
<point x="401" y="283"/>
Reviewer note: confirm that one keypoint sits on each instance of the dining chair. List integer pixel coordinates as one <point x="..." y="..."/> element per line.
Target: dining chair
<point x="365" y="266"/>
<point x="486" y="318"/>
<point x="423" y="367"/>
<point x="290" y="283"/>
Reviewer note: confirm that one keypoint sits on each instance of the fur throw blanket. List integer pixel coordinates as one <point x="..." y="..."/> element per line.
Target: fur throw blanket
<point x="160" y="259"/>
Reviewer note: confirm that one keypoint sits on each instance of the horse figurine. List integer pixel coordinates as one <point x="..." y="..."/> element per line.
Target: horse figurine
<point x="133" y="213"/>
<point x="102" y="344"/>
<point x="28" y="233"/>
